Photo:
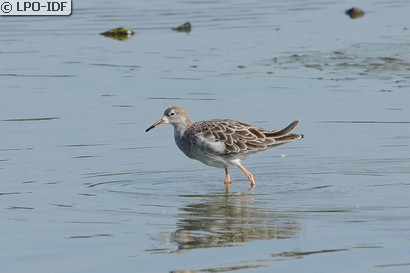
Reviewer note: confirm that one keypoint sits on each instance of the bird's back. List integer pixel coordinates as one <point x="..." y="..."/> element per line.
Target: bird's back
<point x="229" y="139"/>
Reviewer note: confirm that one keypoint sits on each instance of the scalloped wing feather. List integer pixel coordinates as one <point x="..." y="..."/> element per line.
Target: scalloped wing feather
<point x="239" y="137"/>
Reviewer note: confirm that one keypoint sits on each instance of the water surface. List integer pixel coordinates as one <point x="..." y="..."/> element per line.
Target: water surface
<point x="85" y="189"/>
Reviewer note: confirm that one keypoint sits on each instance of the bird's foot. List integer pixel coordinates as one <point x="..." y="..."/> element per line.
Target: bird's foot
<point x="227" y="187"/>
<point x="251" y="179"/>
<point x="227" y="179"/>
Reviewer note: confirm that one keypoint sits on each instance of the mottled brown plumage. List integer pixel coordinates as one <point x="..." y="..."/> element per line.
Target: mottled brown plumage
<point x="241" y="137"/>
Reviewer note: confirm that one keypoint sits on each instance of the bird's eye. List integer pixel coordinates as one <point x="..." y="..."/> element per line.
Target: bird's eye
<point x="172" y="114"/>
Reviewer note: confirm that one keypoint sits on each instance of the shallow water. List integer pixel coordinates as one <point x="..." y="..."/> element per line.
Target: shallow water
<point x="85" y="189"/>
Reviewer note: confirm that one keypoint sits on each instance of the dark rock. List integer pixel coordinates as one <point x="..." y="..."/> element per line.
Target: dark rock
<point x="183" y="28"/>
<point x="355" y="13"/>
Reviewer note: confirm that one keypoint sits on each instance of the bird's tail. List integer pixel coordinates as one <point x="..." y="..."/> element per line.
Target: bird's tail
<point x="283" y="136"/>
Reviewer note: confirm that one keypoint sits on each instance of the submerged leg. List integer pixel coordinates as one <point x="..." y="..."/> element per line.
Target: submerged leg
<point x="248" y="173"/>
<point x="227" y="179"/>
<point x="227" y="176"/>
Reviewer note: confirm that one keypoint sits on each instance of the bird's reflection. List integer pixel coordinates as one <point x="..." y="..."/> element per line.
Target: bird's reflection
<point x="222" y="220"/>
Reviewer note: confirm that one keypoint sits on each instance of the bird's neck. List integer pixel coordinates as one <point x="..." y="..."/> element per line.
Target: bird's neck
<point x="181" y="127"/>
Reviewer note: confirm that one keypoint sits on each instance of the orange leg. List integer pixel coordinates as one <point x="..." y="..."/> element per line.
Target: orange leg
<point x="227" y="176"/>
<point x="227" y="180"/>
<point x="248" y="174"/>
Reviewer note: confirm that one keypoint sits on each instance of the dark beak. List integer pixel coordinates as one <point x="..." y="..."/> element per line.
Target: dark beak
<point x="159" y="122"/>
